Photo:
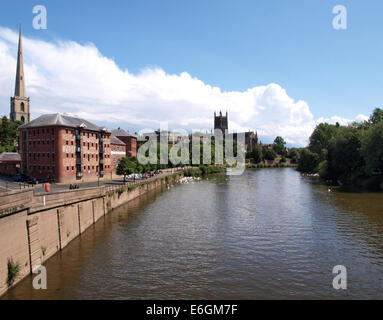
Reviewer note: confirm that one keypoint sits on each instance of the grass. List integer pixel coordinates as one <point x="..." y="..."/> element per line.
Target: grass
<point x="13" y="271"/>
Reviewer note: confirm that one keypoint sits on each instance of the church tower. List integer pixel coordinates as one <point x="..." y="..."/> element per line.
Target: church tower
<point x="220" y="122"/>
<point x="20" y="106"/>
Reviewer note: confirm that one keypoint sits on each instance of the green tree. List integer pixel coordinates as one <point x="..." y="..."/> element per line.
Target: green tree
<point x="293" y="154"/>
<point x="9" y="135"/>
<point x="372" y="149"/>
<point x="279" y="145"/>
<point x="256" y="154"/>
<point x="344" y="159"/>
<point x="269" y="154"/>
<point x="321" y="137"/>
<point x="308" y="161"/>
<point x="127" y="166"/>
<point x="376" y="117"/>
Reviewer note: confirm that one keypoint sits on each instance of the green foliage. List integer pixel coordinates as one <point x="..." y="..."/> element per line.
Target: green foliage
<point x="308" y="161"/>
<point x="8" y="135"/>
<point x="13" y="271"/>
<point x="279" y="145"/>
<point x="321" y="137"/>
<point x="293" y="155"/>
<point x="269" y="154"/>
<point x="120" y="190"/>
<point x="372" y="149"/>
<point x="376" y="117"/>
<point x="350" y="154"/>
<point x="256" y="154"/>
<point x="344" y="160"/>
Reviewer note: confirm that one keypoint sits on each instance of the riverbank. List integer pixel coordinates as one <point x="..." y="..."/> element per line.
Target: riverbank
<point x="34" y="227"/>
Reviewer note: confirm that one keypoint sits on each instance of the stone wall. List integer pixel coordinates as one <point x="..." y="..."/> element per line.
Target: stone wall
<point x="35" y="227"/>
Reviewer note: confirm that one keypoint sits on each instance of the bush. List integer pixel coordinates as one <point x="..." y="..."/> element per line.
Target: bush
<point x="13" y="271"/>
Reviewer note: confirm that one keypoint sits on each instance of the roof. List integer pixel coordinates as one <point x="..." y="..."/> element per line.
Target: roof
<point x="122" y="133"/>
<point x="48" y="120"/>
<point x="10" y="156"/>
<point x="115" y="140"/>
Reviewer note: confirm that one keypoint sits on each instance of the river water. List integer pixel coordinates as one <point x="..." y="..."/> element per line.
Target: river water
<point x="267" y="234"/>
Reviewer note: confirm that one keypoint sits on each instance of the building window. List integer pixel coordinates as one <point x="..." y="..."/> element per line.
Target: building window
<point x="67" y="168"/>
<point x="22" y="109"/>
<point x="67" y="142"/>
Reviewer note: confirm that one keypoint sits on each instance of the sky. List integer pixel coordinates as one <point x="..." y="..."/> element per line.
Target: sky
<point x="277" y="66"/>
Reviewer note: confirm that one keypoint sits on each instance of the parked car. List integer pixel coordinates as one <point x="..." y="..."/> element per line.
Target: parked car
<point x="32" y="180"/>
<point x="20" y="177"/>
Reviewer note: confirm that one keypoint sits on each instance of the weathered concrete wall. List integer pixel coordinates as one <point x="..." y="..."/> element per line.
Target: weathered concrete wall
<point x="35" y="227"/>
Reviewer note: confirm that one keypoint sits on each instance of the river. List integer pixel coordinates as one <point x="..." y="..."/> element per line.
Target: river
<point x="267" y="234"/>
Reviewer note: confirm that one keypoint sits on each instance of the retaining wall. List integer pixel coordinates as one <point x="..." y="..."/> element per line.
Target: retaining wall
<point x="35" y="227"/>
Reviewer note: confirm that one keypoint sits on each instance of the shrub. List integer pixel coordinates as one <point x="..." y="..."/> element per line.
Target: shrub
<point x="13" y="271"/>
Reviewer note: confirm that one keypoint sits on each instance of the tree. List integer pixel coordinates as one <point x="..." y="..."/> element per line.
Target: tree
<point x="308" y="161"/>
<point x="8" y="135"/>
<point x="257" y="154"/>
<point x="127" y="166"/>
<point x="279" y="145"/>
<point x="321" y="137"/>
<point x="344" y="159"/>
<point x="372" y="149"/>
<point x="293" y="155"/>
<point x="376" y="117"/>
<point x="269" y="154"/>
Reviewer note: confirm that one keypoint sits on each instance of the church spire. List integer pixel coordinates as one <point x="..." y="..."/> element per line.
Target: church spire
<point x="20" y="103"/>
<point x="20" y="82"/>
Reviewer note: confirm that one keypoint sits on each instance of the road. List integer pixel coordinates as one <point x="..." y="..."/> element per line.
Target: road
<point x="7" y="184"/>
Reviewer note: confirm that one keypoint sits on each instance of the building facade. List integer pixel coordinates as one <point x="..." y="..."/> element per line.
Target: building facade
<point x="118" y="151"/>
<point x="65" y="149"/>
<point x="20" y="103"/>
<point x="9" y="163"/>
<point x="129" y="139"/>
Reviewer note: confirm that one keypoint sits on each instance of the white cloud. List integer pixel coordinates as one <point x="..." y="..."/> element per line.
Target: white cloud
<point x="78" y="79"/>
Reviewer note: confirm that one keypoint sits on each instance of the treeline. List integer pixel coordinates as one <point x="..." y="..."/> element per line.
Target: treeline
<point x="8" y="135"/>
<point x="278" y="149"/>
<point x="349" y="155"/>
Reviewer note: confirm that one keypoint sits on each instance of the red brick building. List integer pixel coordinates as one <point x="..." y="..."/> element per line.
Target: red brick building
<point x="65" y="149"/>
<point x="130" y="141"/>
<point x="9" y="163"/>
<point x="118" y="151"/>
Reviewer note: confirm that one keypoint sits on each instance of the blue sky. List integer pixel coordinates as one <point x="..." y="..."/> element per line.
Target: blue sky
<point x="234" y="45"/>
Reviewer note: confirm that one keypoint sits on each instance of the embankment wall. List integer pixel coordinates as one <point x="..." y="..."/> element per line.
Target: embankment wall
<point x="35" y="227"/>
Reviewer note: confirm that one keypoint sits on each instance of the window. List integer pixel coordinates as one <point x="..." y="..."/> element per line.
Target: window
<point x="67" y="142"/>
<point x="66" y="130"/>
<point x="67" y="155"/>
<point x="22" y="109"/>
<point x="67" y="168"/>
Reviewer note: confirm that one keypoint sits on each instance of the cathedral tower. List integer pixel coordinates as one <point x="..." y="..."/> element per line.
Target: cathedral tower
<point x="220" y="122"/>
<point x="20" y="106"/>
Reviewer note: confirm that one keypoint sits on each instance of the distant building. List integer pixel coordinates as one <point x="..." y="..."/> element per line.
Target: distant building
<point x="20" y="104"/>
<point x="64" y="148"/>
<point x="221" y="122"/>
<point x="251" y="137"/>
<point x="9" y="163"/>
<point x="129" y="139"/>
<point x="118" y="151"/>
